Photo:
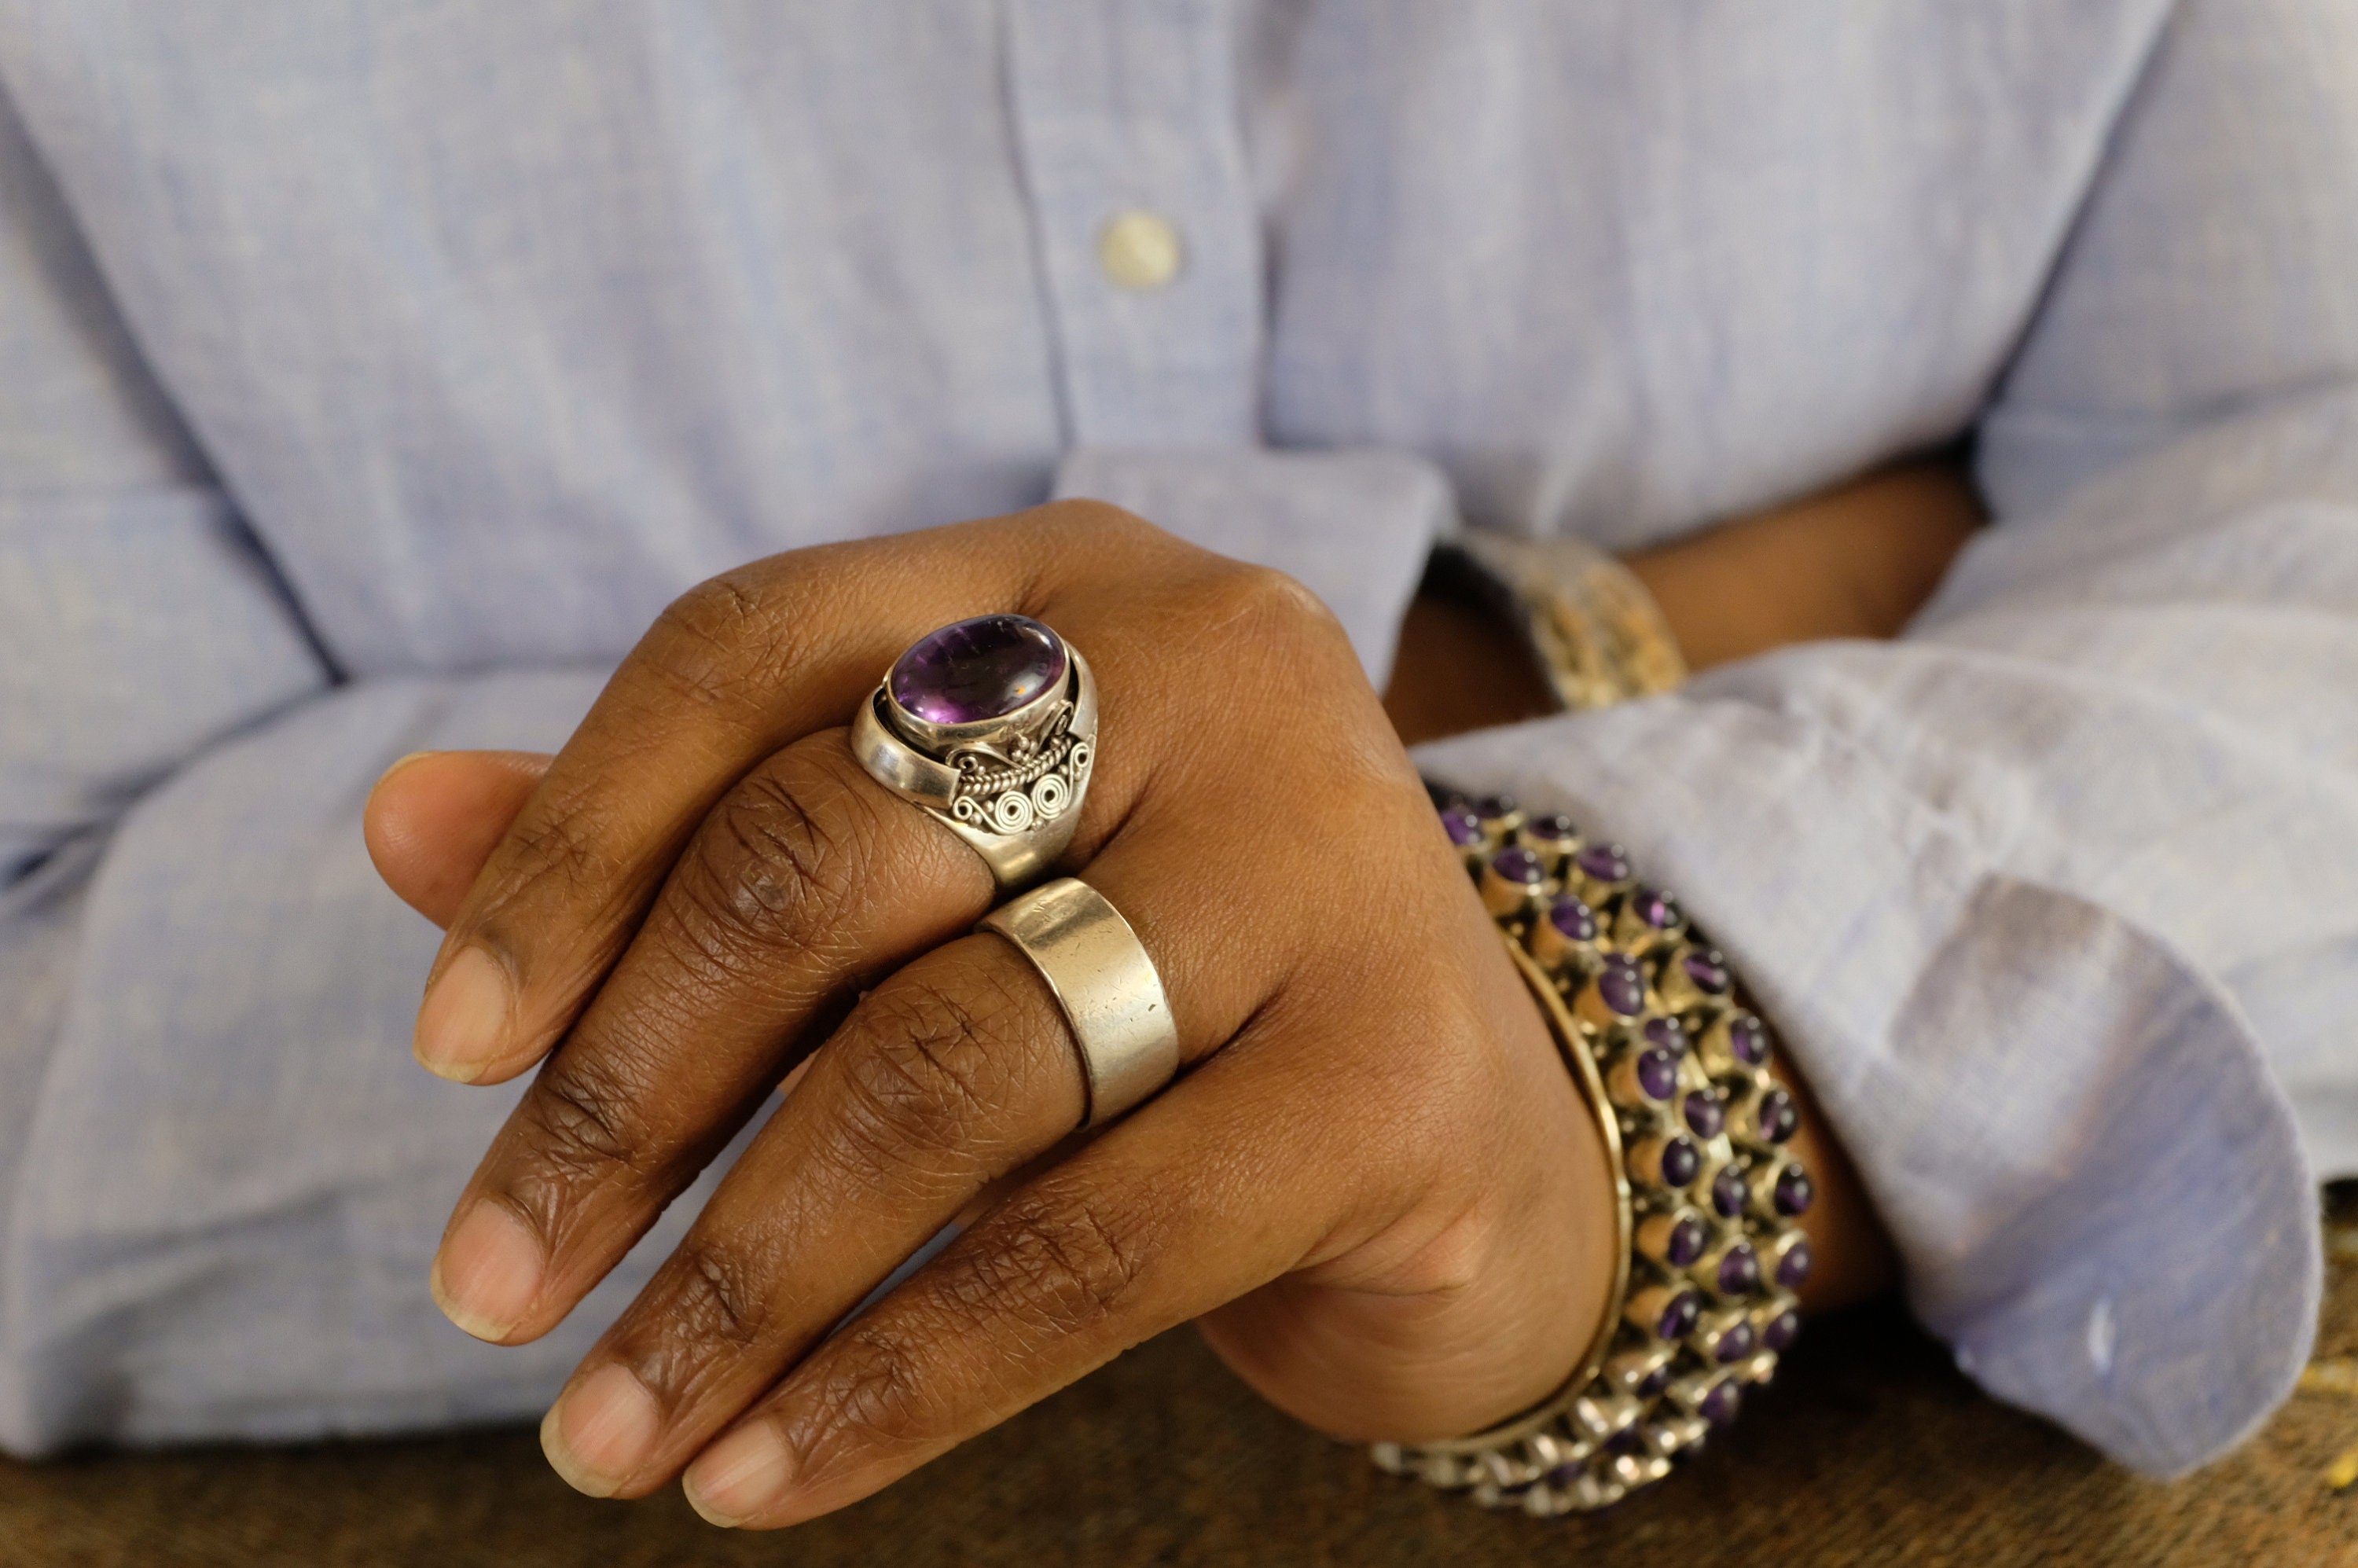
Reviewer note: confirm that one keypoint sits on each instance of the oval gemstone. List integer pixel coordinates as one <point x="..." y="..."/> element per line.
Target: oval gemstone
<point x="1606" y="863"/>
<point x="1782" y="1331"/>
<point x="1686" y="1242"/>
<point x="1553" y="829"/>
<point x="1795" y="1266"/>
<point x="1720" y="1405"/>
<point x="1794" y="1191"/>
<point x="1727" y="1194"/>
<point x="1657" y="1074"/>
<point x="1747" y="1041"/>
<point x="1708" y="970"/>
<point x="1464" y="829"/>
<point x="1739" y="1270"/>
<point x="1679" y="1316"/>
<point x="1669" y="1033"/>
<point x="1574" y="921"/>
<point x="1655" y="1382"/>
<point x="1495" y="808"/>
<point x="971" y="671"/>
<point x="1734" y="1345"/>
<point x="1622" y="987"/>
<point x="1519" y="865"/>
<point x="1776" y="1116"/>
<point x="1658" y="910"/>
<point x="1704" y="1116"/>
<point x="1681" y="1161"/>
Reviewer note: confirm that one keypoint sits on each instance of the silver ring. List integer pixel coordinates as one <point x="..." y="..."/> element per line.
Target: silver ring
<point x="1106" y="985"/>
<point x="991" y="725"/>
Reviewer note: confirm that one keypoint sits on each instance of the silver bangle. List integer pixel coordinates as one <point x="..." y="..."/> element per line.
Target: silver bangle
<point x="1648" y="1017"/>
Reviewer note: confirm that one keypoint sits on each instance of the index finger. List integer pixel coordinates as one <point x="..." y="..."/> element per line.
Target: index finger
<point x="733" y="671"/>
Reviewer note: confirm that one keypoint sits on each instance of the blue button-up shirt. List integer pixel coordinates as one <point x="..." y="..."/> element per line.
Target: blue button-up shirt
<point x="371" y="374"/>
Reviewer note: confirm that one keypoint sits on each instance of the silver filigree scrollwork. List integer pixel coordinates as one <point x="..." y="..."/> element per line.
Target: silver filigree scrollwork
<point x="1034" y="779"/>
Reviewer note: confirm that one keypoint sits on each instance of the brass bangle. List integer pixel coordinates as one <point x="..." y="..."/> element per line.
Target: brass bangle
<point x="1592" y="628"/>
<point x="1650" y="1021"/>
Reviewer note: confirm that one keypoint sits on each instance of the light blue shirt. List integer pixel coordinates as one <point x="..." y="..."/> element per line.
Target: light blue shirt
<point x="371" y="374"/>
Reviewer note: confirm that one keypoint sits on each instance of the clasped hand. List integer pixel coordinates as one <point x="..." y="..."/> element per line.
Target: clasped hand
<point x="1373" y="1182"/>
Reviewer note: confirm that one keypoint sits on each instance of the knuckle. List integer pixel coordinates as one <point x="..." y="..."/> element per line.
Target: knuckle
<point x="712" y="640"/>
<point x="771" y="865"/>
<point x="583" y="1123"/>
<point x="714" y="1300"/>
<point x="928" y="1069"/>
<point x="873" y="1395"/>
<point x="1058" y="1262"/>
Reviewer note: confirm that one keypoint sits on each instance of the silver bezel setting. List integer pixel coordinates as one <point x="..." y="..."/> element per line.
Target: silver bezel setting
<point x="1010" y="787"/>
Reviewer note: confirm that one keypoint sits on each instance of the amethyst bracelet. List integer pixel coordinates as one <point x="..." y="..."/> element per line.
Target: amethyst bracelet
<point x="1647" y="1015"/>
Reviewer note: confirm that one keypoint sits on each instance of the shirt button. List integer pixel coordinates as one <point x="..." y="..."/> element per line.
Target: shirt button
<point x="1140" y="250"/>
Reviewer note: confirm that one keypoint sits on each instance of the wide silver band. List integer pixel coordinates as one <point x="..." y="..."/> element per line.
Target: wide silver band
<point x="1105" y="984"/>
<point x="1011" y="787"/>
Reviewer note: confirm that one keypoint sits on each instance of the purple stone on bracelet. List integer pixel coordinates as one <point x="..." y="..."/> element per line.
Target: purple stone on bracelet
<point x="1734" y="1345"/>
<point x="1495" y="808"/>
<point x="974" y="670"/>
<point x="1657" y="1074"/>
<point x="1679" y="1318"/>
<point x="1656" y="909"/>
<point x="1621" y="986"/>
<point x="1669" y="1034"/>
<point x="1685" y="1244"/>
<point x="1518" y="864"/>
<point x="1574" y="921"/>
<point x="1464" y="829"/>
<point x="1605" y="862"/>
<point x="1727" y="1193"/>
<point x="1656" y="1381"/>
<point x="1779" y="1333"/>
<point x="1795" y="1266"/>
<point x="1708" y="970"/>
<point x="1794" y="1192"/>
<point x="1777" y="1117"/>
<point x="1720" y="1405"/>
<point x="1565" y="1475"/>
<point x="1553" y="830"/>
<point x="1704" y="1114"/>
<point x="1747" y="1041"/>
<point x="1739" y="1270"/>
<point x="1681" y="1162"/>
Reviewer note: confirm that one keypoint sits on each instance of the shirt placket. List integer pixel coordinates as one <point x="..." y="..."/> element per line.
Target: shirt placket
<point x="1126" y="120"/>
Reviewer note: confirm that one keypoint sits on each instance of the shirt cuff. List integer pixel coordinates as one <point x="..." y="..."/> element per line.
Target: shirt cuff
<point x="2094" y="1183"/>
<point x="1353" y="526"/>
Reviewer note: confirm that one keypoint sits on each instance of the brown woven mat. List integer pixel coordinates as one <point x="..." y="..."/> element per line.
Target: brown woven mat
<point x="1870" y="1450"/>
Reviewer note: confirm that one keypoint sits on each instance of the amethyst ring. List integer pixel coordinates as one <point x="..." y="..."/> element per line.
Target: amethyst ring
<point x="990" y="725"/>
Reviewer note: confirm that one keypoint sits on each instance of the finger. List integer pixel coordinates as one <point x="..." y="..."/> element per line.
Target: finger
<point x="733" y="671"/>
<point x="1137" y="1233"/>
<point x="765" y="932"/>
<point x="955" y="1071"/>
<point x="434" y="819"/>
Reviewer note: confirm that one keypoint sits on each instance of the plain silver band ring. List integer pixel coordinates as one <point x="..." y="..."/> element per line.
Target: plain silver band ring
<point x="1106" y="986"/>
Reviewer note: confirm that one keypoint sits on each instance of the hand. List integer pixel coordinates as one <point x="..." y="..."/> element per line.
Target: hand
<point x="1373" y="1175"/>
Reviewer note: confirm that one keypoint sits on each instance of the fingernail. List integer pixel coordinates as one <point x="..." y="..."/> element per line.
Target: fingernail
<point x="488" y="1272"/>
<point x="599" y="1431"/>
<point x="399" y="764"/>
<point x="739" y="1476"/>
<point x="462" y="1028"/>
